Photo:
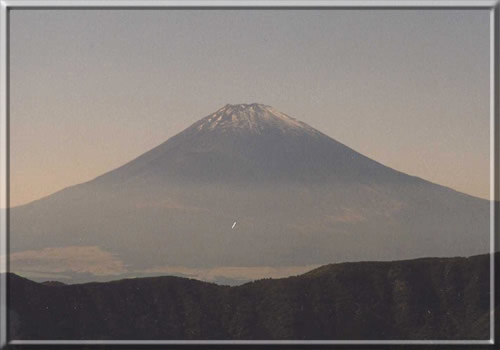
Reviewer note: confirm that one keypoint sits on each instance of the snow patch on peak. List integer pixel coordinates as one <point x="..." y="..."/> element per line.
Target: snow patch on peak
<point x="252" y="117"/>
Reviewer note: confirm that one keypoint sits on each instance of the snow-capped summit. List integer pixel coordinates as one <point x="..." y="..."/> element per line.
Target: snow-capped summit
<point x="250" y="143"/>
<point x="253" y="117"/>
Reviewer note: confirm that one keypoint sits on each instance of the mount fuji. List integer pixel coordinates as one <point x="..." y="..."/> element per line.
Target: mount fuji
<point x="299" y="198"/>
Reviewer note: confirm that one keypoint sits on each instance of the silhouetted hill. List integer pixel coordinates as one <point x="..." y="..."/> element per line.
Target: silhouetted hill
<point x="432" y="298"/>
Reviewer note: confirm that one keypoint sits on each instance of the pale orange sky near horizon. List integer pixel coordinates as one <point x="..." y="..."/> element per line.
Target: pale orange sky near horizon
<point x="93" y="89"/>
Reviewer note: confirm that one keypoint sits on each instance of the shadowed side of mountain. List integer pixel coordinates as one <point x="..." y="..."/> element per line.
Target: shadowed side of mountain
<point x="434" y="298"/>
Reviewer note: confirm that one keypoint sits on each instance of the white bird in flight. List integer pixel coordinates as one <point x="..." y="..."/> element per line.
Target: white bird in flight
<point x="233" y="225"/>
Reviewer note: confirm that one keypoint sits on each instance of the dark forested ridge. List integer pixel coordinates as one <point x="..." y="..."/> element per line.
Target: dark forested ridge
<point x="431" y="298"/>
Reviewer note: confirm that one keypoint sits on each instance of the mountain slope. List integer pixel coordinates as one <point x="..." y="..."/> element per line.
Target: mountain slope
<point x="433" y="299"/>
<point x="298" y="197"/>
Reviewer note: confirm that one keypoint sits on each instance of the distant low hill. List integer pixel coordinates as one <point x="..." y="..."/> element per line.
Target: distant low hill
<point x="431" y="298"/>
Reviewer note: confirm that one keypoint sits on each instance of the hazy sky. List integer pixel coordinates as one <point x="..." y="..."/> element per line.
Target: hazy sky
<point x="92" y="89"/>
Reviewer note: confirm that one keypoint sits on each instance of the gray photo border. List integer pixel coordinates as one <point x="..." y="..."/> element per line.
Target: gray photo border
<point x="7" y="5"/>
